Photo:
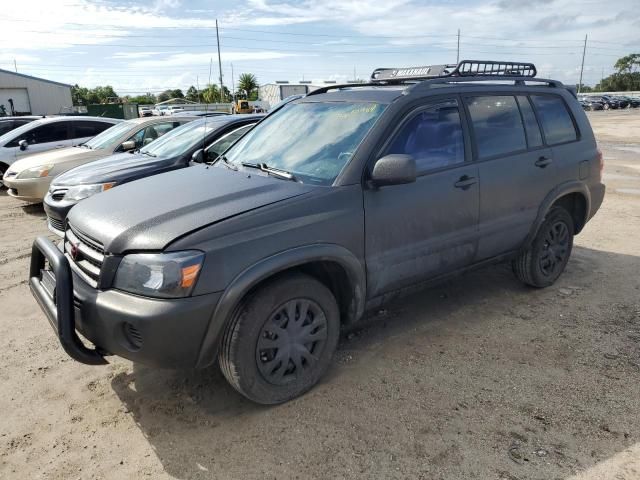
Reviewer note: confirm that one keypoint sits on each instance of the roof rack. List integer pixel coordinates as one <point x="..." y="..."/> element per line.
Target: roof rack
<point x="466" y="68"/>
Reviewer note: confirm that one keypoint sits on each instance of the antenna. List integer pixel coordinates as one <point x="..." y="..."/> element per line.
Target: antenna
<point x="206" y="110"/>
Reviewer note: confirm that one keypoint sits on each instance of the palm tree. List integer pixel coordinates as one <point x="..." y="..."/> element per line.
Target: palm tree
<point x="248" y="83"/>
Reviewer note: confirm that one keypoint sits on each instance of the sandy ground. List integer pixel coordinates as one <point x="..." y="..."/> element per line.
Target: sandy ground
<point x="478" y="378"/>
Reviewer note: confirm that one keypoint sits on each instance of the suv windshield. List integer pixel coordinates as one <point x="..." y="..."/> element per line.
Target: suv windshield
<point x="179" y="140"/>
<point x="313" y="141"/>
<point x="110" y="135"/>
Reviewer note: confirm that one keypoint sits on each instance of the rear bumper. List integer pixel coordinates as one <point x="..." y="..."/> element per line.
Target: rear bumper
<point x="597" y="196"/>
<point x="158" y="332"/>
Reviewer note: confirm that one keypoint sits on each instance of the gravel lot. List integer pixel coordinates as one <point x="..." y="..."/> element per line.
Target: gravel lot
<point x="478" y="378"/>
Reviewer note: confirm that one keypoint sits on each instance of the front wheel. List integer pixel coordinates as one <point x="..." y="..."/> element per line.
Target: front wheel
<point x="544" y="260"/>
<point x="281" y="339"/>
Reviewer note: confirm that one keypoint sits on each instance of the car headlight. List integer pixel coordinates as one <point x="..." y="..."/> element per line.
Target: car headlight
<point x="163" y="275"/>
<point x="35" y="172"/>
<point x="80" y="192"/>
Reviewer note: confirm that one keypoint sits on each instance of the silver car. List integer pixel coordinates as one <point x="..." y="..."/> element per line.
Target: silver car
<point x="29" y="178"/>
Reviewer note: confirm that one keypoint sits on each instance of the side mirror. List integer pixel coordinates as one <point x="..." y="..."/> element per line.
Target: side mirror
<point x="128" y="145"/>
<point x="394" y="169"/>
<point x="198" y="156"/>
<point x="23" y="144"/>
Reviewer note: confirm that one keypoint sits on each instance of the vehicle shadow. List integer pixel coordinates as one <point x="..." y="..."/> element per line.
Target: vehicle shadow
<point x="477" y="367"/>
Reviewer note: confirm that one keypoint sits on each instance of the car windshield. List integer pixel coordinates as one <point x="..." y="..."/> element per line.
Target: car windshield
<point x="107" y="138"/>
<point x="312" y="141"/>
<point x="179" y="140"/>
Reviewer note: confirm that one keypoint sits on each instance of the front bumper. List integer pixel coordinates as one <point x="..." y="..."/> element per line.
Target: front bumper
<point x="57" y="212"/>
<point x="158" y="332"/>
<point x="28" y="189"/>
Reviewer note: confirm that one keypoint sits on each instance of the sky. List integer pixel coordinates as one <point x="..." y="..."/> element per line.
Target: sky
<point x="171" y="43"/>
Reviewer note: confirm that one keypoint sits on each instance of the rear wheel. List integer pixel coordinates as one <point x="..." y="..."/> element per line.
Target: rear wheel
<point x="541" y="264"/>
<point x="3" y="169"/>
<point x="605" y="106"/>
<point x="281" y="340"/>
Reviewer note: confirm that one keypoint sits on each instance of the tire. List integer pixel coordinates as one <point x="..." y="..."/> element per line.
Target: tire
<point x="271" y="359"/>
<point x="545" y="259"/>
<point x="3" y="169"/>
<point x="605" y="106"/>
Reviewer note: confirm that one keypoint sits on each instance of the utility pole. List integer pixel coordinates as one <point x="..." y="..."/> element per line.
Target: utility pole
<point x="584" y="51"/>
<point x="219" y="61"/>
<point x="458" y="54"/>
<point x="354" y="74"/>
<point x="198" y="87"/>
<point x="15" y="65"/>
<point x="233" y="85"/>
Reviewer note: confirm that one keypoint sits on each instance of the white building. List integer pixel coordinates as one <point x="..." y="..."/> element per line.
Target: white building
<point x="272" y="93"/>
<point x="32" y="95"/>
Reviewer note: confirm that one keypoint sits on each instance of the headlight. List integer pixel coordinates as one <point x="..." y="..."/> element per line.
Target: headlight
<point x="35" y="172"/>
<point x="80" y="192"/>
<point x="164" y="275"/>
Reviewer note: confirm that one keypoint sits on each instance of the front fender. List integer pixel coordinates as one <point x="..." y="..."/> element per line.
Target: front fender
<point x="558" y="192"/>
<point x="267" y="267"/>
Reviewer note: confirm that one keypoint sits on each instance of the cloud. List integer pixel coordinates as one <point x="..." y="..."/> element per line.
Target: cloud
<point x="134" y="55"/>
<point x="203" y="59"/>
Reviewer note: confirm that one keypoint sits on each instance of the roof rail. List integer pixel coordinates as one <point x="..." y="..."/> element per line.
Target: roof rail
<point x="466" y="68"/>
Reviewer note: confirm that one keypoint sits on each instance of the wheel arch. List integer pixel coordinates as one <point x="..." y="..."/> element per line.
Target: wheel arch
<point x="331" y="264"/>
<point x="574" y="196"/>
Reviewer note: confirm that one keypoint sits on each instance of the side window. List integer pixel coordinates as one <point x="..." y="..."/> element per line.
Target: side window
<point x="89" y="129"/>
<point x="534" y="137"/>
<point x="219" y="146"/>
<point x="433" y="137"/>
<point x="51" y="132"/>
<point x="555" y="118"/>
<point x="497" y="125"/>
<point x="153" y="132"/>
<point x="137" y="137"/>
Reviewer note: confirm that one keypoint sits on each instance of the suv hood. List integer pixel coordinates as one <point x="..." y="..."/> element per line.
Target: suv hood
<point x="149" y="214"/>
<point x="57" y="155"/>
<point x="115" y="168"/>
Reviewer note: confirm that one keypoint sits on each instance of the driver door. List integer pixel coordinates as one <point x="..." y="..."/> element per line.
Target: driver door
<point x="420" y="230"/>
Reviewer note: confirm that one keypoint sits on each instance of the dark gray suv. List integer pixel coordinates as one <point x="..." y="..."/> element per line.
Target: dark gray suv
<point x="321" y="212"/>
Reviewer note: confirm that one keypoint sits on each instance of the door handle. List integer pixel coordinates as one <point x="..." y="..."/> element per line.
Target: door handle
<point x="542" y="162"/>
<point x="465" y="182"/>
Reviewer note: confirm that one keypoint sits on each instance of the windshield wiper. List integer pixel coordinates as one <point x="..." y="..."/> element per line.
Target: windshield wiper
<point x="225" y="162"/>
<point x="276" y="172"/>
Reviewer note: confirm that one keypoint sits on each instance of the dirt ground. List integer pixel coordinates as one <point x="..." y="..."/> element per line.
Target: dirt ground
<point x="478" y="378"/>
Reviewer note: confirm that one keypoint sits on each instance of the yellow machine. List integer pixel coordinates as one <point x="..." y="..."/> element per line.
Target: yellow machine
<point x="242" y="106"/>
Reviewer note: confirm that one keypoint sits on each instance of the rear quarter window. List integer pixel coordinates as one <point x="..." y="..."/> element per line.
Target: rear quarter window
<point x="497" y="125"/>
<point x="555" y="118"/>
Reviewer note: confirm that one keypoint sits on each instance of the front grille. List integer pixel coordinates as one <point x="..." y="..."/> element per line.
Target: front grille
<point x="84" y="253"/>
<point x="59" y="193"/>
<point x="56" y="224"/>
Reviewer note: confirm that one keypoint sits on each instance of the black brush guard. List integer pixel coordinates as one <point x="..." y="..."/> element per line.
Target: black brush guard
<point x="58" y="304"/>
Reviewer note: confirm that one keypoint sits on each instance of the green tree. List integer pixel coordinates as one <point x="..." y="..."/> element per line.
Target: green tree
<point x="84" y="96"/>
<point x="192" y="94"/>
<point x="211" y="94"/>
<point x="146" y="99"/>
<point x="628" y="64"/>
<point x="248" y="83"/>
<point x="626" y="78"/>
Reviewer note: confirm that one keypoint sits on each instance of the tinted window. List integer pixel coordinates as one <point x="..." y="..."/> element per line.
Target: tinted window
<point x="534" y="137"/>
<point x="89" y="129"/>
<point x="497" y="125"/>
<point x="6" y="126"/>
<point x="433" y="137"/>
<point x="152" y="132"/>
<point x="51" y="132"/>
<point x="555" y="118"/>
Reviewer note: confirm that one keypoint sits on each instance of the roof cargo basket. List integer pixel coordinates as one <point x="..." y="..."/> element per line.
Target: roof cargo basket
<point x="466" y="68"/>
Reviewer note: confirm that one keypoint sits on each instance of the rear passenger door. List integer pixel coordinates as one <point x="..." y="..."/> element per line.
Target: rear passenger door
<point x="516" y="169"/>
<point x="423" y="229"/>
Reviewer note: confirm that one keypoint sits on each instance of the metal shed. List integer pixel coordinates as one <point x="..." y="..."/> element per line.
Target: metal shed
<point x="32" y="95"/>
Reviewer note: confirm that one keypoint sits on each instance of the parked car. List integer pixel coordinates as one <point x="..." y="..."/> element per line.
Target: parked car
<point x="160" y="110"/>
<point x="145" y="111"/>
<point x="9" y="123"/>
<point x="29" y="179"/>
<point x="174" y="110"/>
<point x="201" y="141"/>
<point x="325" y="209"/>
<point x="203" y="113"/>
<point x="631" y="102"/>
<point x="589" y="104"/>
<point x="608" y="102"/>
<point x="46" y="134"/>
